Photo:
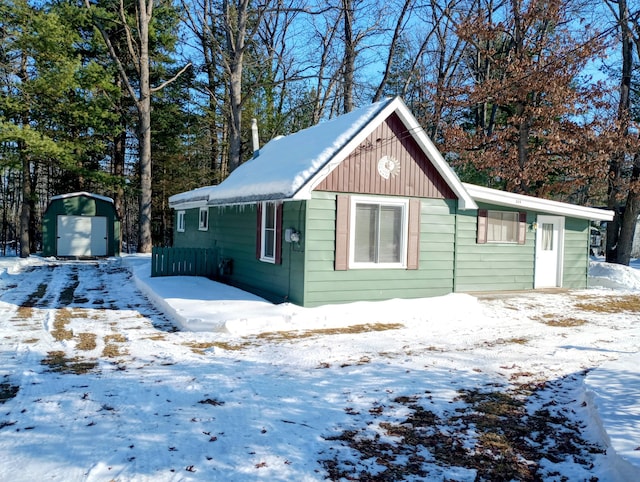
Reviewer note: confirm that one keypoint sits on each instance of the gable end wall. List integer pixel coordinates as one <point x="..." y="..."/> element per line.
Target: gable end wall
<point x="79" y="206"/>
<point x="417" y="176"/>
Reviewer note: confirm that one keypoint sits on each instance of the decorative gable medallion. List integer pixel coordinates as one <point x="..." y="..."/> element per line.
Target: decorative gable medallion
<point x="388" y="167"/>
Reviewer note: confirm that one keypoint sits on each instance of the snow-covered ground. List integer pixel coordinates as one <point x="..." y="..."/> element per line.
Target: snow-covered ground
<point x="187" y="379"/>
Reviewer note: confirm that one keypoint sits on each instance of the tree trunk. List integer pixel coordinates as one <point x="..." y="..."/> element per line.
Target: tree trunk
<point x="25" y="210"/>
<point x="144" y="133"/>
<point x="236" y="29"/>
<point x="628" y="228"/>
<point x="349" y="55"/>
<point x="119" y="146"/>
<point x="620" y="231"/>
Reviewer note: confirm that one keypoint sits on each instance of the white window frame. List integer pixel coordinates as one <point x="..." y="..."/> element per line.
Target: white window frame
<point x="266" y="205"/>
<point x="516" y="226"/>
<point x="380" y="201"/>
<point x="180" y="222"/>
<point x="203" y="219"/>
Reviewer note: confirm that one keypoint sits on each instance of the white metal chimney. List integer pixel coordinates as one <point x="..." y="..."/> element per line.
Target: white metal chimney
<point x="255" y="137"/>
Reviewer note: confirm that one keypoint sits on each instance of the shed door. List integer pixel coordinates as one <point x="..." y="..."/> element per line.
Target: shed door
<point x="82" y="236"/>
<point x="549" y="250"/>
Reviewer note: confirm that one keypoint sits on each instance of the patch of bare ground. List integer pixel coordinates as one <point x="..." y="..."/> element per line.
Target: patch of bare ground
<point x="34" y="298"/>
<point x="58" y="361"/>
<point x="112" y="348"/>
<point x="86" y="341"/>
<point x="507" y="341"/>
<point x="559" y="321"/>
<point x="62" y="319"/>
<point x="492" y="433"/>
<point x="8" y="391"/>
<point x="23" y="313"/>
<point x="613" y="304"/>
<point x="202" y="347"/>
<point x="279" y="336"/>
<point x="285" y="336"/>
<point x="66" y="295"/>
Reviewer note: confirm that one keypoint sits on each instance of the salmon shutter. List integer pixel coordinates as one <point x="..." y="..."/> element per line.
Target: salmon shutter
<point x="522" y="228"/>
<point x="278" y="253"/>
<point x="413" y="243"/>
<point x="482" y="226"/>
<point x="342" y="233"/>
<point x="259" y="230"/>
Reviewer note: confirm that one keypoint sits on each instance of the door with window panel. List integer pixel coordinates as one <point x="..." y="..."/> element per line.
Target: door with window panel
<point x="549" y="245"/>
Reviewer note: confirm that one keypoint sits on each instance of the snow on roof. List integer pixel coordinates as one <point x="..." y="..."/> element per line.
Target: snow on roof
<point x="503" y="198"/>
<point x="82" y="193"/>
<point x="290" y="167"/>
<point x="284" y="164"/>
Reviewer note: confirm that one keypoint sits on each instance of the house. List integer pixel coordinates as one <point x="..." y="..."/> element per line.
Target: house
<point x="364" y="207"/>
<point x="80" y="224"/>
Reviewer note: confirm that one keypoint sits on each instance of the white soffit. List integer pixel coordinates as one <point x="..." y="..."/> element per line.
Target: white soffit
<point x="520" y="201"/>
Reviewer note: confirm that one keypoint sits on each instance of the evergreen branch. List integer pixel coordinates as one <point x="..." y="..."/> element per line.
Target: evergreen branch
<point x="112" y="52"/>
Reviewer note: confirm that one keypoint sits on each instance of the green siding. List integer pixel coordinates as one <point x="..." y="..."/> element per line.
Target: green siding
<point x="504" y="267"/>
<point x="492" y="267"/>
<point x="325" y="285"/>
<point x="575" y="268"/>
<point x="448" y="250"/>
<point x="232" y="231"/>
<point x="80" y="205"/>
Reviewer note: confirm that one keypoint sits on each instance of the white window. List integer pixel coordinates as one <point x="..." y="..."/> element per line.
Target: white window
<point x="269" y="223"/>
<point x="180" y="226"/>
<point x="203" y="225"/>
<point x="502" y="226"/>
<point x="547" y="241"/>
<point x="378" y="233"/>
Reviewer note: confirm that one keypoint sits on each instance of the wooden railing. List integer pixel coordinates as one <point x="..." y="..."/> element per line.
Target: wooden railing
<point x="184" y="262"/>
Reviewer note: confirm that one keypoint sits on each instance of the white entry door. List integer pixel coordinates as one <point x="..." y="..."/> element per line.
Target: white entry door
<point x="549" y="250"/>
<point x="82" y="236"/>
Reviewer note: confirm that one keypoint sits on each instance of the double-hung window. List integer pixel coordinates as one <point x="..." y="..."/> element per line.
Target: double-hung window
<point x="269" y="235"/>
<point x="181" y="223"/>
<point x="502" y="227"/>
<point x="269" y="231"/>
<point x="507" y="227"/>
<point x="203" y="224"/>
<point x="378" y="233"/>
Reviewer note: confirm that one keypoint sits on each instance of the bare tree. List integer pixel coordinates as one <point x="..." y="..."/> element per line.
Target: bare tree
<point x="396" y="38"/>
<point x="138" y="49"/>
<point x="624" y="189"/>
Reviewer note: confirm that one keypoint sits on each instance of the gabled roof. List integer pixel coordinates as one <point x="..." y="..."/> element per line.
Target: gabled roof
<point x="520" y="201"/>
<point x="82" y="193"/>
<point x="289" y="168"/>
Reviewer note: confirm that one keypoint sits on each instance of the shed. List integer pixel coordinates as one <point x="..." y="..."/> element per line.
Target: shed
<point x="364" y="207"/>
<point x="79" y="225"/>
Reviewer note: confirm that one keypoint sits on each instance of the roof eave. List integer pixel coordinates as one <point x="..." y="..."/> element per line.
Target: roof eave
<point x="240" y="200"/>
<point x="503" y="198"/>
<point x="304" y="192"/>
<point x="189" y="203"/>
<point x="82" y="193"/>
<point x="465" y="201"/>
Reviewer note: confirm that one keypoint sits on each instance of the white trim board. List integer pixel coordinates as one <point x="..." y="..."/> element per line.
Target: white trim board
<point x="520" y="201"/>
